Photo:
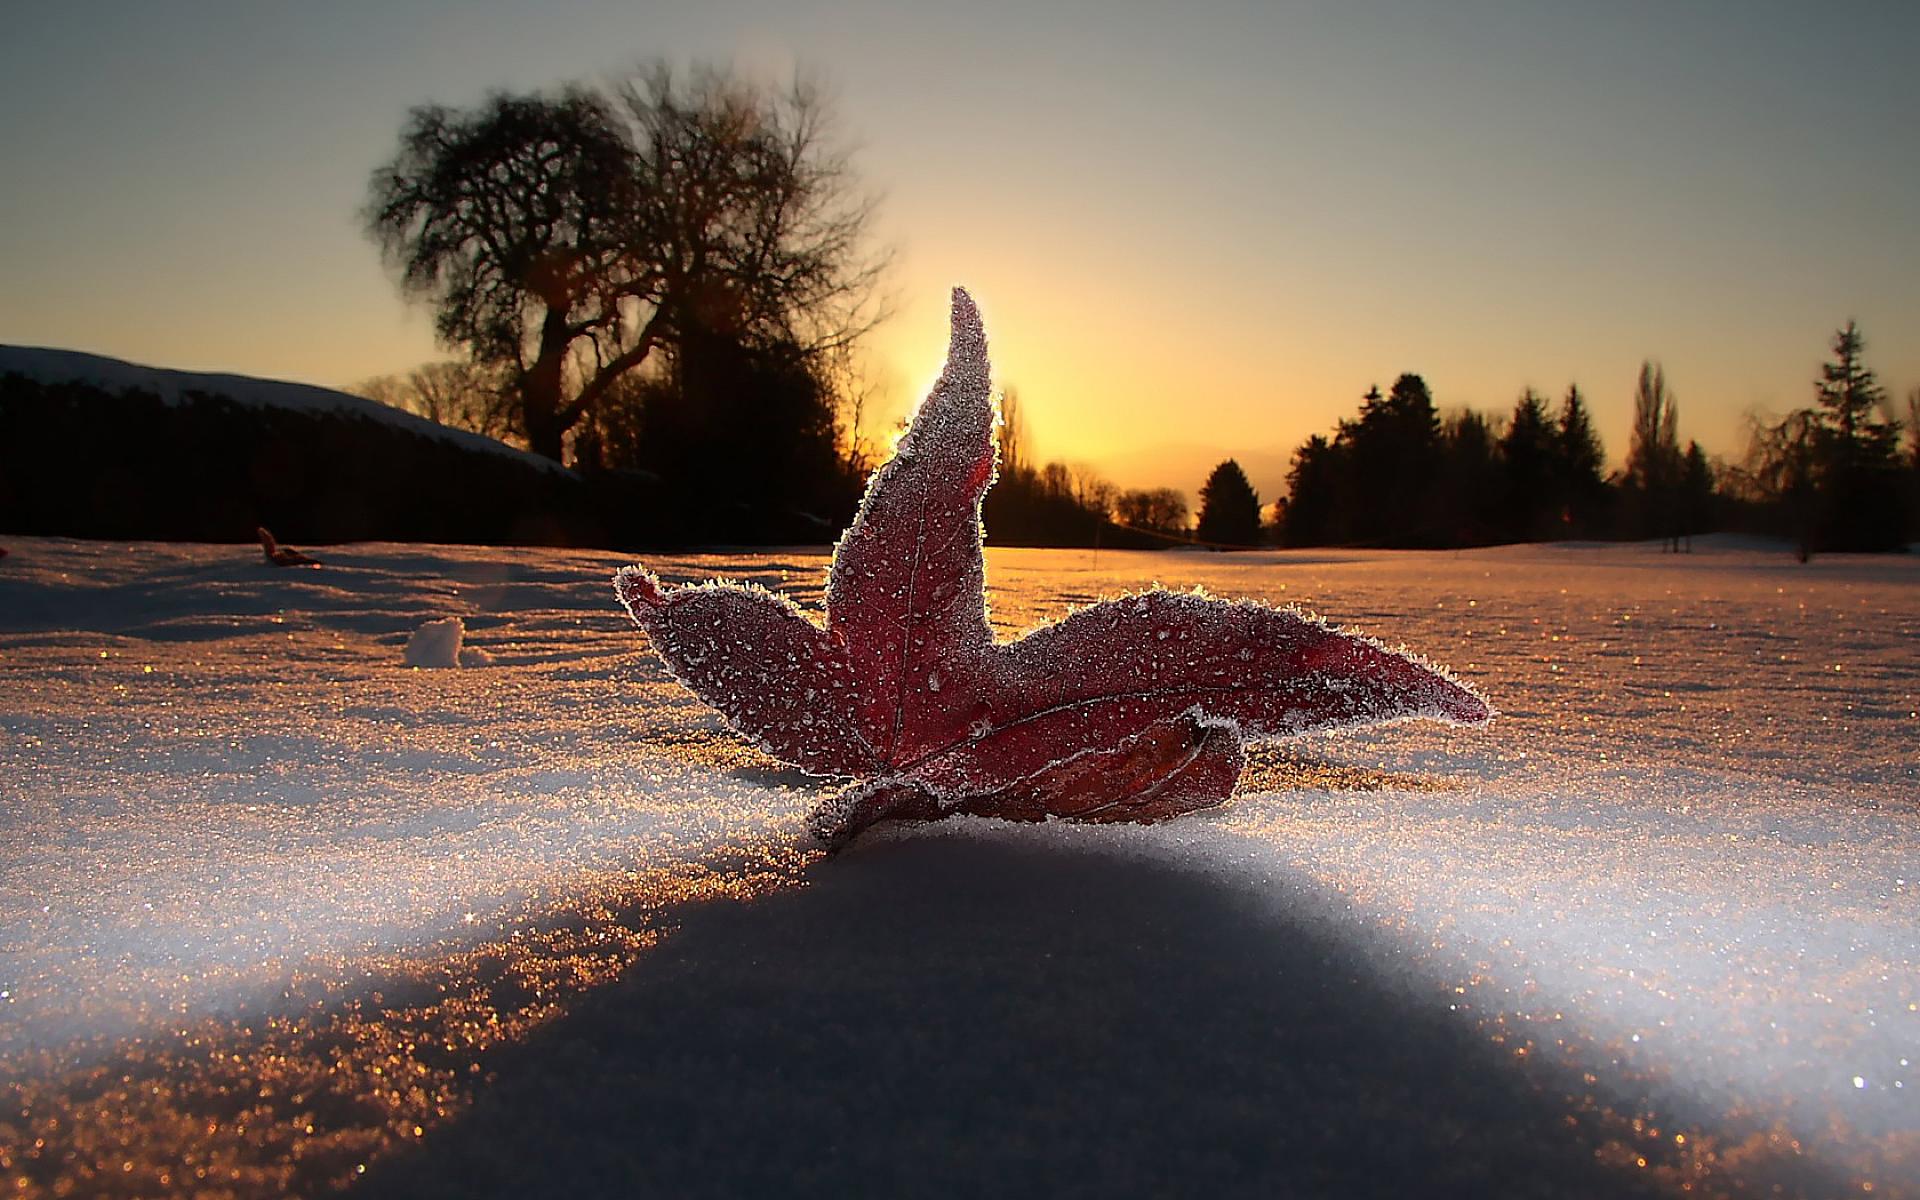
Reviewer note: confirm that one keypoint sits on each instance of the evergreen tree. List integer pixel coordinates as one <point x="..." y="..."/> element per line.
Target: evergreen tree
<point x="1229" y="508"/>
<point x="1696" y="493"/>
<point x="1862" y="502"/>
<point x="1315" y="483"/>
<point x="1851" y="396"/>
<point x="1528" y="452"/>
<point x="1579" y="465"/>
<point x="1469" y="498"/>
<point x="1393" y="462"/>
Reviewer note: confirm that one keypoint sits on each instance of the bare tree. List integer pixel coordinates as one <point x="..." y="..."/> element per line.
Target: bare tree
<point x="1012" y="434"/>
<point x="1156" y="510"/>
<point x="564" y="238"/>
<point x="1783" y="467"/>
<point x="1090" y="491"/>
<point x="461" y="395"/>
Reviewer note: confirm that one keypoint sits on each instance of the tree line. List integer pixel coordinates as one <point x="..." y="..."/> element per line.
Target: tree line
<point x="1401" y="474"/>
<point x="663" y="281"/>
<point x="1833" y="476"/>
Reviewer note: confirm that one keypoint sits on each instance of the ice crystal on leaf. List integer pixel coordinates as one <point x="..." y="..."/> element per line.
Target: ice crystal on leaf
<point x="1132" y="709"/>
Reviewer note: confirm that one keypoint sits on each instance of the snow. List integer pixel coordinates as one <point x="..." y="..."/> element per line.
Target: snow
<point x="438" y="644"/>
<point x="45" y="365"/>
<point x="1681" y="873"/>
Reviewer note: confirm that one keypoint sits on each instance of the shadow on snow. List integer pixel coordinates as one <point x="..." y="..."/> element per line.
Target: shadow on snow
<point x="964" y="1015"/>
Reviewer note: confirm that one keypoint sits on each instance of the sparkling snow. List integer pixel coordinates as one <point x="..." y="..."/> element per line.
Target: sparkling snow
<point x="1680" y="874"/>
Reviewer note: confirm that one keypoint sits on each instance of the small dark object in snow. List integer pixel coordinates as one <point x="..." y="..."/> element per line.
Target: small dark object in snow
<point x="282" y="556"/>
<point x="1133" y="709"/>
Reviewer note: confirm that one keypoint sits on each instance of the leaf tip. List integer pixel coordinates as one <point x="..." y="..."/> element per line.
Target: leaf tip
<point x="1469" y="707"/>
<point x="967" y="337"/>
<point x="964" y="309"/>
<point x="1455" y="701"/>
<point x="638" y="590"/>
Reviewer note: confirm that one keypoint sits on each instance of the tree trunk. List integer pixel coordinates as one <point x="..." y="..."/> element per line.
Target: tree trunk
<point x="540" y="408"/>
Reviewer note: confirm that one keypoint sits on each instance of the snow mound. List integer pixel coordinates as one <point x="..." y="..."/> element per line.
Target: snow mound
<point x="439" y="644"/>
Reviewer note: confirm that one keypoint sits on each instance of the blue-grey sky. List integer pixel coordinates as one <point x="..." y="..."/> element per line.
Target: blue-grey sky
<point x="1194" y="228"/>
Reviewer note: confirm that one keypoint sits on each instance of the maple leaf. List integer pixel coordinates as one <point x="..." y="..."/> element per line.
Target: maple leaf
<point x="1132" y="709"/>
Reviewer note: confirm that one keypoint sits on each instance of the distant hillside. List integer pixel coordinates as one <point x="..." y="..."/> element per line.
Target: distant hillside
<point x="115" y="377"/>
<point x="95" y="447"/>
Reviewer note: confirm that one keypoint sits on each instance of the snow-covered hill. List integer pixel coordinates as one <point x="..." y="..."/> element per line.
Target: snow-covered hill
<point x="112" y="375"/>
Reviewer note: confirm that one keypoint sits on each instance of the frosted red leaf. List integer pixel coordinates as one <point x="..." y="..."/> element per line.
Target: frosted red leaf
<point x="906" y="593"/>
<point x="1134" y="709"/>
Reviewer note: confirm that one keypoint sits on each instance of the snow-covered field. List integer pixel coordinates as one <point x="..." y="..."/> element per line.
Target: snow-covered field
<point x="279" y="911"/>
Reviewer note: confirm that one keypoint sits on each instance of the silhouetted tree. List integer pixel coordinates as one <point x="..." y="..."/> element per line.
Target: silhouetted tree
<point x="1469" y="501"/>
<point x="1056" y="481"/>
<point x="1054" y="504"/>
<point x="742" y="432"/>
<point x="1833" y="471"/>
<point x="1316" y="482"/>
<point x="1229" y="508"/>
<point x="1051" y="506"/>
<point x="1913" y="430"/>
<point x="1696" y="493"/>
<point x="1862" y="497"/>
<point x="1529" y="454"/>
<point x="1851" y="395"/>
<point x="1581" y="463"/>
<point x="1156" y="510"/>
<point x="1093" y="493"/>
<point x="1393" y="458"/>
<point x="1653" y="456"/>
<point x="1011" y="434"/>
<point x="460" y="395"/>
<point x="1913" y="459"/>
<point x="1783" y="470"/>
<point x="565" y="238"/>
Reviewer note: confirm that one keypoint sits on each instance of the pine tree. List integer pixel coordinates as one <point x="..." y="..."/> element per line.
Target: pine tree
<point x="1393" y="462"/>
<point x="1579" y="464"/>
<point x="1315" y="484"/>
<point x="1470" y="500"/>
<point x="1229" y="508"/>
<point x="1528" y="452"/>
<point x="1696" y="492"/>
<point x="1850" y="393"/>
<point x="1859" y="452"/>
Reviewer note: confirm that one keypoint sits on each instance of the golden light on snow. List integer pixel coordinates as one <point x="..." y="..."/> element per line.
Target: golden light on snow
<point x="287" y="903"/>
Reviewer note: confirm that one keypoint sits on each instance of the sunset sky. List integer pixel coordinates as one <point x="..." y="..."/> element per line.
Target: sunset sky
<point x="1195" y="229"/>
